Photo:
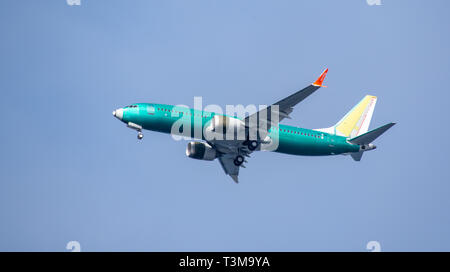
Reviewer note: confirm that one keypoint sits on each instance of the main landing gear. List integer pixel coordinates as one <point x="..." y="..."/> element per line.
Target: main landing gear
<point x="251" y="145"/>
<point x="238" y="160"/>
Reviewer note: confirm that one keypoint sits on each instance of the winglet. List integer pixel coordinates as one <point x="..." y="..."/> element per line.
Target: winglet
<point x="319" y="80"/>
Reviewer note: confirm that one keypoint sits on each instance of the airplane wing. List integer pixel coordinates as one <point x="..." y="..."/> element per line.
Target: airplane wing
<point x="229" y="167"/>
<point x="283" y="107"/>
<point x="228" y="151"/>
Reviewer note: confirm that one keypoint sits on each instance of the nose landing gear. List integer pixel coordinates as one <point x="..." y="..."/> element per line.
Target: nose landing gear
<point x="138" y="128"/>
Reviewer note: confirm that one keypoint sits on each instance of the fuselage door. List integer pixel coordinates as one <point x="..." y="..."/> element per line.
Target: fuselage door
<point x="331" y="143"/>
<point x="150" y="110"/>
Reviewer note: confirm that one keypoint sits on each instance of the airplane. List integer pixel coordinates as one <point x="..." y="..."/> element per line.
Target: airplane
<point x="349" y="136"/>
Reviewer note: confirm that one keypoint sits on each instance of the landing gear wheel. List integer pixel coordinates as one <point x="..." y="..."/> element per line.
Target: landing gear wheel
<point x="238" y="160"/>
<point x="252" y="145"/>
<point x="140" y="136"/>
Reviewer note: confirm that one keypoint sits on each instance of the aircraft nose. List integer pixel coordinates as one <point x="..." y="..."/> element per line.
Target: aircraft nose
<point x="118" y="113"/>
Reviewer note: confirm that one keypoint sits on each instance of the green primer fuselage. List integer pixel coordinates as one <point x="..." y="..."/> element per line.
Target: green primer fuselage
<point x="292" y="140"/>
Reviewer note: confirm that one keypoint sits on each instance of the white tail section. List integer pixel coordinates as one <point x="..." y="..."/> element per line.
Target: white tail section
<point x="356" y="121"/>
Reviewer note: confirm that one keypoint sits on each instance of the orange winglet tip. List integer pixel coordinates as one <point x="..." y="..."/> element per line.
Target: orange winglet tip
<point x="321" y="78"/>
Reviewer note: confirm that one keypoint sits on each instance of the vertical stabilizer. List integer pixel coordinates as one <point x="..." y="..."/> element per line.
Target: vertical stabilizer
<point x="356" y="121"/>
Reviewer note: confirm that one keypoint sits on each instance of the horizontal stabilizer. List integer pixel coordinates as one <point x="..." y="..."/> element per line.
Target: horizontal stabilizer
<point x="370" y="136"/>
<point x="357" y="155"/>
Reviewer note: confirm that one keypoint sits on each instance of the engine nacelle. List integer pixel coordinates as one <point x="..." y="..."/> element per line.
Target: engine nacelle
<point x="200" y="151"/>
<point x="224" y="125"/>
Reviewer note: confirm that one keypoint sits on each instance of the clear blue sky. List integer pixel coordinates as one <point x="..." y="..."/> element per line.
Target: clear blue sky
<point x="70" y="171"/>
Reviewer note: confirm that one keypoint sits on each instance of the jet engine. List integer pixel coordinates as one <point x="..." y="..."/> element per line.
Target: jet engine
<point x="200" y="151"/>
<point x="224" y="127"/>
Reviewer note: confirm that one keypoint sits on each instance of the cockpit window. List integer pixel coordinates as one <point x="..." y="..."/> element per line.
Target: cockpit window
<point x="132" y="106"/>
